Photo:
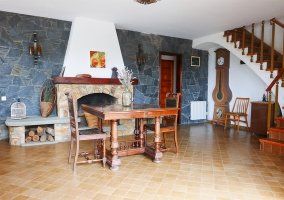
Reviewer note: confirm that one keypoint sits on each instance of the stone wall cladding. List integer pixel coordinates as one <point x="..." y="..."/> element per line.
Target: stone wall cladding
<point x="194" y="79"/>
<point x="19" y="77"/>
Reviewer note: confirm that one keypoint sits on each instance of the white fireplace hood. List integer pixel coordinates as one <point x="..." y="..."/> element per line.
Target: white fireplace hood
<point x="90" y="35"/>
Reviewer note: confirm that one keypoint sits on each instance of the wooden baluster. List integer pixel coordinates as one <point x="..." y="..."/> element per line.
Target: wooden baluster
<point x="261" y="45"/>
<point x="269" y="113"/>
<point x="282" y="84"/>
<point x="276" y="102"/>
<point x="227" y="35"/>
<point x="272" y="47"/>
<point x="235" y="37"/>
<point x="252" y="43"/>
<point x="243" y="40"/>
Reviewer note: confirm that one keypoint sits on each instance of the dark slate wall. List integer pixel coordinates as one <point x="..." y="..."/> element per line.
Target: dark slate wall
<point x="19" y="77"/>
<point x="194" y="79"/>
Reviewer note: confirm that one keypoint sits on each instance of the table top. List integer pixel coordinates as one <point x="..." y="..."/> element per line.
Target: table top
<point x="117" y="111"/>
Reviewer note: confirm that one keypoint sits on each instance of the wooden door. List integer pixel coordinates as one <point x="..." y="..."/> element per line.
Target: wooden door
<point x="166" y="79"/>
<point x="170" y="77"/>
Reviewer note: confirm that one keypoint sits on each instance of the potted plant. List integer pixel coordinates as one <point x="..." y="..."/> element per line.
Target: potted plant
<point x="47" y="99"/>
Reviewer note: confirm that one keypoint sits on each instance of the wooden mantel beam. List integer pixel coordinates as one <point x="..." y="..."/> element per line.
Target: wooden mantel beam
<point x="97" y="81"/>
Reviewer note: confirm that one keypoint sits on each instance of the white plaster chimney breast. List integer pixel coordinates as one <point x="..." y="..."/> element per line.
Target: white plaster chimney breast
<point x="90" y="35"/>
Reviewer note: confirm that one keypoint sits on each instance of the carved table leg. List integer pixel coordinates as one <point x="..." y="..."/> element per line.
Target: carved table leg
<point x="141" y="133"/>
<point x="115" y="161"/>
<point x="157" y="141"/>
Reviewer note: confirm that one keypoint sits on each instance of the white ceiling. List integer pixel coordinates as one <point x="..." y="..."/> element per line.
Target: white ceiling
<point x="188" y="19"/>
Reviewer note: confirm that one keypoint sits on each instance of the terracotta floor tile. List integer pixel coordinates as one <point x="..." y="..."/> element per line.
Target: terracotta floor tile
<point x="212" y="163"/>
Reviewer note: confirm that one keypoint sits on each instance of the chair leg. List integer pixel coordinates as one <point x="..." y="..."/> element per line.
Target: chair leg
<point x="96" y="151"/>
<point x="247" y="122"/>
<point x="104" y="153"/>
<point x="225" y="126"/>
<point x="165" y="139"/>
<point x="76" y="155"/>
<point x="176" y="143"/>
<point x="71" y="149"/>
<point x="145" y="135"/>
<point x="238" y="123"/>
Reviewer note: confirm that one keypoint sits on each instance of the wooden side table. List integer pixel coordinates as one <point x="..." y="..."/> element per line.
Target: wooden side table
<point x="259" y="112"/>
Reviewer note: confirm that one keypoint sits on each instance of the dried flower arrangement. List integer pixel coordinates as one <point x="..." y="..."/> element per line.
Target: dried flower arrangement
<point x="125" y="78"/>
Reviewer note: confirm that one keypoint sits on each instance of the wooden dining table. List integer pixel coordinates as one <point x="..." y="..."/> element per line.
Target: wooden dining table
<point x="115" y="112"/>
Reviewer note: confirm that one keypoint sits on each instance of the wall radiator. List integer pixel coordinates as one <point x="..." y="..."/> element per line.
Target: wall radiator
<point x="197" y="110"/>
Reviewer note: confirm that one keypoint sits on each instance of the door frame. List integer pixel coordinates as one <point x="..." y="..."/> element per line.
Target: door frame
<point x="178" y="77"/>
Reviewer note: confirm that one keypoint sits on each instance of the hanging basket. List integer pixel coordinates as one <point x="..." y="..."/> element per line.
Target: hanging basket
<point x="46" y="108"/>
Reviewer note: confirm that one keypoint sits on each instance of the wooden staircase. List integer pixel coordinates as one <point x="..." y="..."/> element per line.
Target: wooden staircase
<point x="275" y="141"/>
<point x="261" y="53"/>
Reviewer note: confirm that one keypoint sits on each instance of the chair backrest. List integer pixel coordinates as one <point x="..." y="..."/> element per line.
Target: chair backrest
<point x="241" y="105"/>
<point x="172" y="99"/>
<point x="73" y="114"/>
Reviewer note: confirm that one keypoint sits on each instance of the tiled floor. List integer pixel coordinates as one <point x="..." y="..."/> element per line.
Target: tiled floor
<point x="212" y="164"/>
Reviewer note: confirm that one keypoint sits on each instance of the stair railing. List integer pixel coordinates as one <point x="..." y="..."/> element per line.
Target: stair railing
<point x="280" y="74"/>
<point x="268" y="89"/>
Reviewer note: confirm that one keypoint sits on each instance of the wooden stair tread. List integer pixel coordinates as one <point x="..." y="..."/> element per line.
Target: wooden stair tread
<point x="275" y="61"/>
<point x="280" y="118"/>
<point x="276" y="129"/>
<point x="272" y="141"/>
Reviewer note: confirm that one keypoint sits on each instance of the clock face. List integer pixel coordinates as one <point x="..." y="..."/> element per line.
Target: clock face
<point x="220" y="61"/>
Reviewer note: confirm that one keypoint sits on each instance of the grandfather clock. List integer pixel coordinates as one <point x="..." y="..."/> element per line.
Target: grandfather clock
<point x="222" y="93"/>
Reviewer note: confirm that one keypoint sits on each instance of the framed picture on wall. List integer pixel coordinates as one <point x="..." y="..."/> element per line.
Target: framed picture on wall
<point x="195" y="61"/>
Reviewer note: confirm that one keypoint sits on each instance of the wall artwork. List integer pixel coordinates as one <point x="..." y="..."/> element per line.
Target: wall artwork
<point x="97" y="59"/>
<point x="195" y="61"/>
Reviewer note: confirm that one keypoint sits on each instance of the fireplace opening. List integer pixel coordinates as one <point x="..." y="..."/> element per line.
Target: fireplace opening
<point x="88" y="120"/>
<point x="95" y="98"/>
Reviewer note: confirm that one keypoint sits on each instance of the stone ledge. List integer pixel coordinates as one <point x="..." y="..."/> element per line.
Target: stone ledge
<point x="36" y="120"/>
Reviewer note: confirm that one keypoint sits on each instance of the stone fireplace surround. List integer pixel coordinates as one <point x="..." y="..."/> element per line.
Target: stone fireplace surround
<point x="80" y="87"/>
<point x="84" y="86"/>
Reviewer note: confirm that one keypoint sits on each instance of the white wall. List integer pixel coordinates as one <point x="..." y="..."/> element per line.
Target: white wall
<point x="90" y="35"/>
<point x="242" y="81"/>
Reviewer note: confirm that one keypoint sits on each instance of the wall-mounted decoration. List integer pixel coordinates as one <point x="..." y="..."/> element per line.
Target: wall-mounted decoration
<point x="97" y="59"/>
<point x="195" y="61"/>
<point x="35" y="50"/>
<point x="140" y="57"/>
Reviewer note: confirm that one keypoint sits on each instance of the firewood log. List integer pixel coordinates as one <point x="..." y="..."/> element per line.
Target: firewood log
<point x="28" y="139"/>
<point x="35" y="138"/>
<point x="50" y="138"/>
<point x="31" y="133"/>
<point x="50" y="131"/>
<point x="40" y="131"/>
<point x="43" y="137"/>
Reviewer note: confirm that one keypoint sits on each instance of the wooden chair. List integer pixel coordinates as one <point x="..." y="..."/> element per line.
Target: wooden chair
<point x="99" y="137"/>
<point x="169" y="123"/>
<point x="238" y="113"/>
